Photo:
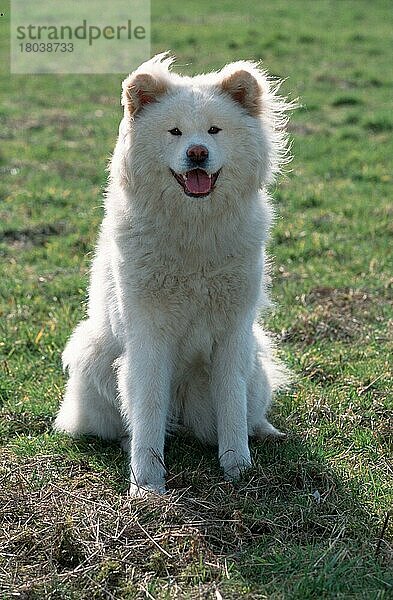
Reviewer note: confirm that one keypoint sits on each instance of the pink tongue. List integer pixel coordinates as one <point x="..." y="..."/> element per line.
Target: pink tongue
<point x="198" y="182"/>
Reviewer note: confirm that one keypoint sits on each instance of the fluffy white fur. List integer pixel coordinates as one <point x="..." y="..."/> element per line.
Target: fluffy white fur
<point x="171" y="337"/>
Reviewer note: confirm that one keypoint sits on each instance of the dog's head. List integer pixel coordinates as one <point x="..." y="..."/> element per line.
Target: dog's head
<point x="202" y="137"/>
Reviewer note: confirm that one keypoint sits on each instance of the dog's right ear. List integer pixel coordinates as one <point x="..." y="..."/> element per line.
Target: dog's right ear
<point x="139" y="90"/>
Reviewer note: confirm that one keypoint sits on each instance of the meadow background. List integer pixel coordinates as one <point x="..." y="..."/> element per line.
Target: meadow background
<point x="307" y="521"/>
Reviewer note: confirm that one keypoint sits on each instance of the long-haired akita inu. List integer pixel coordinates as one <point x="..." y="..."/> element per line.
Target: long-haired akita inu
<point x="178" y="278"/>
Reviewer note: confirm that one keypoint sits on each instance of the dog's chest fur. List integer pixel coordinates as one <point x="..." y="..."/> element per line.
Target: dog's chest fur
<point x="184" y="284"/>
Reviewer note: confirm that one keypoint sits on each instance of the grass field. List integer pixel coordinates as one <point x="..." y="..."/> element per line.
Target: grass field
<point x="307" y="521"/>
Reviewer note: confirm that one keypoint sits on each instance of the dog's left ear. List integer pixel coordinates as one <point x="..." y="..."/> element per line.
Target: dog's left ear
<point x="139" y="90"/>
<point x="244" y="89"/>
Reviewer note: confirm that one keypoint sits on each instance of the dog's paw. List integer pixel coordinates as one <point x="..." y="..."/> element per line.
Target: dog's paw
<point x="142" y="491"/>
<point x="234" y="464"/>
<point x="266" y="430"/>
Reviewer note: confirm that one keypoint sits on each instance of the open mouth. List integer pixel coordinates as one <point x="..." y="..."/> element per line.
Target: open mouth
<point x="196" y="183"/>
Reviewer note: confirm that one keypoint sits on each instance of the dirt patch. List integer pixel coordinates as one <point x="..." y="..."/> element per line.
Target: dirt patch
<point x="304" y="129"/>
<point x="334" y="314"/>
<point x="338" y="82"/>
<point x="32" y="236"/>
<point x="23" y="424"/>
<point x="47" y="117"/>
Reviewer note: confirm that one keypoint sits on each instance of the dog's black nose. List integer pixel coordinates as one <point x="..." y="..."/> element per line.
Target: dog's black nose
<point x="197" y="153"/>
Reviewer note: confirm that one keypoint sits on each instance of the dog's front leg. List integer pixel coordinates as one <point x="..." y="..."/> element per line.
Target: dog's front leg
<point x="229" y="375"/>
<point x="144" y="383"/>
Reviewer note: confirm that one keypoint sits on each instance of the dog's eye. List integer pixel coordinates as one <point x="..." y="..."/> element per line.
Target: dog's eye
<point x="175" y="131"/>
<point x="214" y="130"/>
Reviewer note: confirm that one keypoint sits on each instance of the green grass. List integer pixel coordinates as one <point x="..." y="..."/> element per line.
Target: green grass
<point x="306" y="522"/>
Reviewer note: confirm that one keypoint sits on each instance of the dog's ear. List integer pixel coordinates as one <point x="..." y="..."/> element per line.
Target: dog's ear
<point x="244" y="89"/>
<point x="139" y="90"/>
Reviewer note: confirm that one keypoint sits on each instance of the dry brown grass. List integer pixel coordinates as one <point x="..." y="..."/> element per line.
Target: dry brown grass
<point x="67" y="530"/>
<point x="63" y="525"/>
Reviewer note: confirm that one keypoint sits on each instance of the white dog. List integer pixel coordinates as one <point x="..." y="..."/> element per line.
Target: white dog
<point x="178" y="275"/>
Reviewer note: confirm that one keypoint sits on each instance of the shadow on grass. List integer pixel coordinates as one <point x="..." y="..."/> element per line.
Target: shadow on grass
<point x="292" y="523"/>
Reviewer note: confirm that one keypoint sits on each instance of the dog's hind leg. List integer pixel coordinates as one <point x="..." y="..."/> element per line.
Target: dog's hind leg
<point x="267" y="376"/>
<point x="90" y="405"/>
